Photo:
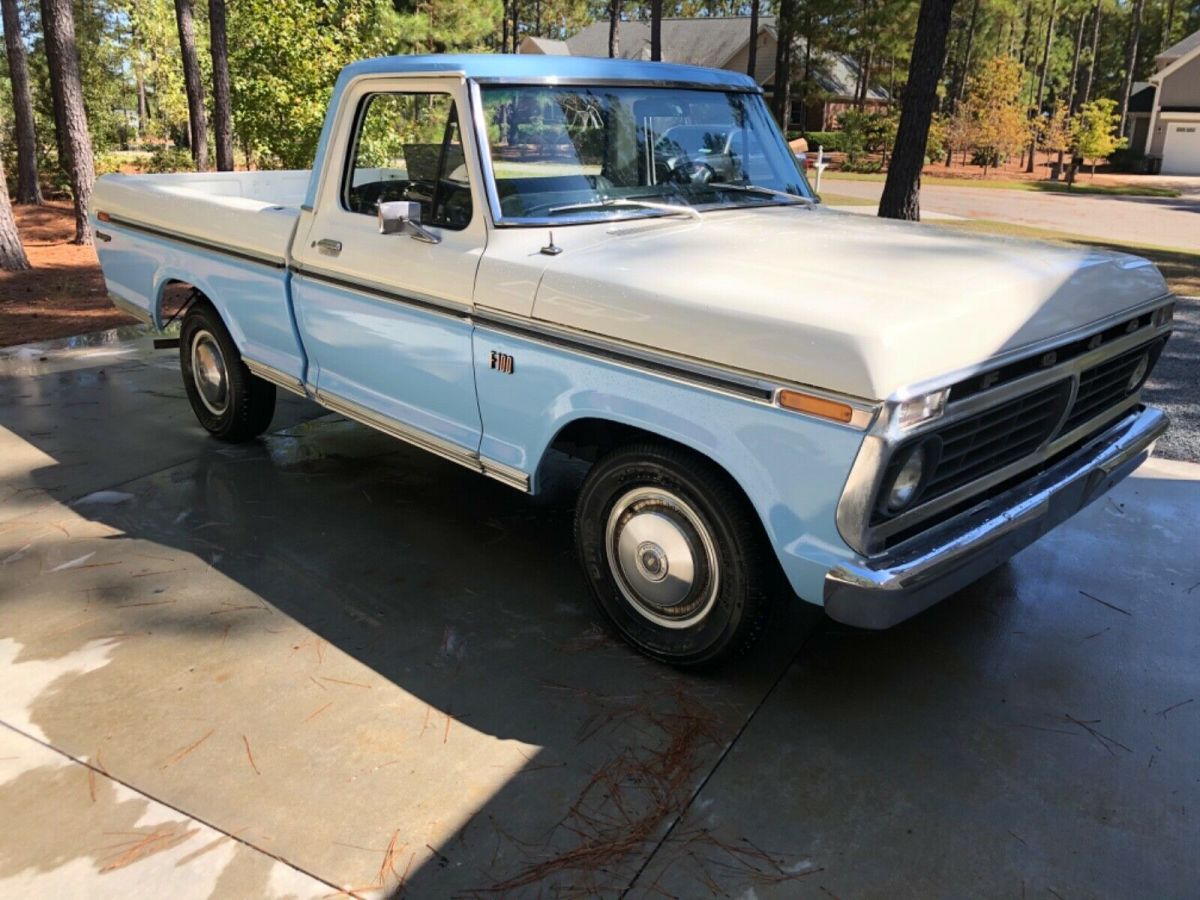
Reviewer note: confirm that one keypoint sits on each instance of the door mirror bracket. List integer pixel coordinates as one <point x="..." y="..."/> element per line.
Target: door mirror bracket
<point x="404" y="217"/>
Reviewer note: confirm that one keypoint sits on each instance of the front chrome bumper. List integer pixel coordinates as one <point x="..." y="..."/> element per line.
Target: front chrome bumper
<point x="882" y="591"/>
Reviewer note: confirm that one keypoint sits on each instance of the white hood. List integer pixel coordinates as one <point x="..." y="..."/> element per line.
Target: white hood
<point x="839" y="301"/>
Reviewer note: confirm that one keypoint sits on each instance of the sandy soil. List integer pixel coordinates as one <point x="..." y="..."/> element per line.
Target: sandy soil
<point x="63" y="294"/>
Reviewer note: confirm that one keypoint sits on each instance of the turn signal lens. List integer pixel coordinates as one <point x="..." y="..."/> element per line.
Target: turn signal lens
<point x="1164" y="314"/>
<point x="103" y="216"/>
<point x="816" y="406"/>
<point x="913" y="412"/>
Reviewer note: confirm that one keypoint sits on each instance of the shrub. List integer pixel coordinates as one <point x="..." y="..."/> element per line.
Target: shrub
<point x="832" y="141"/>
<point x="170" y="159"/>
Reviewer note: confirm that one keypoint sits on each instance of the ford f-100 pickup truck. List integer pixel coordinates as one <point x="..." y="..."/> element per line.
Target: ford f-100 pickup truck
<point x="495" y="257"/>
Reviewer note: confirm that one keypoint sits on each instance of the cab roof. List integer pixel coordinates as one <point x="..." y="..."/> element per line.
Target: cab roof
<point x="520" y="67"/>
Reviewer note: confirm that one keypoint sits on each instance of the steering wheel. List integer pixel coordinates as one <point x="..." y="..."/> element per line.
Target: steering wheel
<point x="690" y="172"/>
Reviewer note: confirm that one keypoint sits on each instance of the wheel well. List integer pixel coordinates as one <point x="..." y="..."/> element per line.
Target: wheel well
<point x="591" y="438"/>
<point x="173" y="296"/>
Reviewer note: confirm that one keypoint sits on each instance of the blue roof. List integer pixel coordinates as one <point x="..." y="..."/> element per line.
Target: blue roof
<point x="533" y="65"/>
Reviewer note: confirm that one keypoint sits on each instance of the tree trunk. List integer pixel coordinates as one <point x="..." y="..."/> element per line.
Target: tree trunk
<point x="865" y="77"/>
<point x="1087" y="86"/>
<point x="56" y="101"/>
<point x="516" y="25"/>
<point x="1071" y="92"/>
<point x="1041" y="91"/>
<point x="1135" y="32"/>
<point x="901" y="191"/>
<point x="504" y="31"/>
<point x="193" y="85"/>
<point x="1026" y="32"/>
<point x="781" y="99"/>
<point x="752" y="54"/>
<point x="965" y="64"/>
<point x="58" y="28"/>
<point x="28" y="190"/>
<point x="614" y="28"/>
<point x="656" y="30"/>
<point x="1168" y="25"/>
<point x="143" y="108"/>
<point x="222" y="114"/>
<point x="12" y="254"/>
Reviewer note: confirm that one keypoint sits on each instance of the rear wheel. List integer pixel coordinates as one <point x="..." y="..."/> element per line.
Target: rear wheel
<point x="674" y="554"/>
<point x="230" y="402"/>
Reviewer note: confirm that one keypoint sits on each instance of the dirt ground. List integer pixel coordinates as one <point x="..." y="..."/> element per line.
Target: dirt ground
<point x="63" y="294"/>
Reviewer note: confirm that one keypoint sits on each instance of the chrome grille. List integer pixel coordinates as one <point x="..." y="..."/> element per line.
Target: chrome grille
<point x="1000" y="436"/>
<point x="1107" y="384"/>
<point x="996" y="437"/>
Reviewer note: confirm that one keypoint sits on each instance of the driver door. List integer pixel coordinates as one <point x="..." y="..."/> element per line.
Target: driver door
<point x="384" y="316"/>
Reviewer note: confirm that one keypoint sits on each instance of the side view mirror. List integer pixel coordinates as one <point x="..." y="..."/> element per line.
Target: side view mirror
<point x="404" y="216"/>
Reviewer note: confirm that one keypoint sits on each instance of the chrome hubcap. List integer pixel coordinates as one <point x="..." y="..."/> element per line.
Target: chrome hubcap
<point x="208" y="372"/>
<point x="663" y="557"/>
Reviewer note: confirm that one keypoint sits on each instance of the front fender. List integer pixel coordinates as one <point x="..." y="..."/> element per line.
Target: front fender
<point x="791" y="468"/>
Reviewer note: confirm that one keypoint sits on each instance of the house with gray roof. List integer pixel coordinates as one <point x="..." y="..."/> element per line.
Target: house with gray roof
<point x="1164" y="113"/>
<point x="724" y="43"/>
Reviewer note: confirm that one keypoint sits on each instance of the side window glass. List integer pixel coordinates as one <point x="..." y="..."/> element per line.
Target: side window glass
<point x="409" y="147"/>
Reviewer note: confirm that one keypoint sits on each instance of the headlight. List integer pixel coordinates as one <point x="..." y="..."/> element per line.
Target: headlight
<point x="921" y="409"/>
<point x="904" y="486"/>
<point x="1139" y="372"/>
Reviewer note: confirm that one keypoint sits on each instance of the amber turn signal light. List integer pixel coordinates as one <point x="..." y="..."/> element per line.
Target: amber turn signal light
<point x="816" y="406"/>
<point x="103" y="216"/>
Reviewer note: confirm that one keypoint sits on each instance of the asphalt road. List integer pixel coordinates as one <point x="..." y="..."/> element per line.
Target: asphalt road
<point x="1164" y="222"/>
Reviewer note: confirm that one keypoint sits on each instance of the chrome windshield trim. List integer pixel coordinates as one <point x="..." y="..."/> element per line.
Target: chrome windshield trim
<point x="866" y="474"/>
<point x="584" y="81"/>
<point x="499" y="220"/>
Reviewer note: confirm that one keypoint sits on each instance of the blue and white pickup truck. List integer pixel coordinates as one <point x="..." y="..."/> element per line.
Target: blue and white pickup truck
<point x="494" y="256"/>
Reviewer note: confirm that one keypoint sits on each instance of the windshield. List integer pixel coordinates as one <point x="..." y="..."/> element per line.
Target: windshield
<point x="581" y="153"/>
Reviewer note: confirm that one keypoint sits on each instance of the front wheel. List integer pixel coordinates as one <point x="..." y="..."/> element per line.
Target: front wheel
<point x="230" y="402"/>
<point x="674" y="555"/>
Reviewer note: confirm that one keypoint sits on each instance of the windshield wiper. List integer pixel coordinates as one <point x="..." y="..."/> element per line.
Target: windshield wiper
<point x="762" y="191"/>
<point x="670" y="209"/>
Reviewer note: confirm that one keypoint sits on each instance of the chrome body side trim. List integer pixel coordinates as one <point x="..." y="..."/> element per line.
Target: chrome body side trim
<point x="858" y="497"/>
<point x="880" y="593"/>
<point x="275" y="376"/>
<point x="469" y="459"/>
<point x="396" y="429"/>
<point x="744" y="385"/>
<point x="129" y="308"/>
<point x="428" y="304"/>
<point x="275" y="262"/>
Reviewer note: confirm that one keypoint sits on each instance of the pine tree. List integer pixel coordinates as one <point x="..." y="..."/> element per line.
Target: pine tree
<point x="222" y="115"/>
<point x="58" y="26"/>
<point x="198" y="127"/>
<point x="12" y="254"/>
<point x="29" y="191"/>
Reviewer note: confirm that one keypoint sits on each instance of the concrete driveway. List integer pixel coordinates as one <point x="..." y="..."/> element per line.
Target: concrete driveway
<point x="325" y="662"/>
<point x="1160" y="221"/>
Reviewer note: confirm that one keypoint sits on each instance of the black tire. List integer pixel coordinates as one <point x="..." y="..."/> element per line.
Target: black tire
<point x="640" y="492"/>
<point x="240" y="407"/>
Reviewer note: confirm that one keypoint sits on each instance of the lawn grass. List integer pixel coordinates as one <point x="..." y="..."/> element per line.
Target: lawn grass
<point x="1181" y="268"/>
<point x="1045" y="187"/>
<point x="846" y="200"/>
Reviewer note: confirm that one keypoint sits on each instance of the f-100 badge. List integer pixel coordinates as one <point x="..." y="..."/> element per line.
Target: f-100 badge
<point x="502" y="362"/>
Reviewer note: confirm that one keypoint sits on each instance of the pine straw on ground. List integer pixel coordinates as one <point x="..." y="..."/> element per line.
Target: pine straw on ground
<point x="63" y="294"/>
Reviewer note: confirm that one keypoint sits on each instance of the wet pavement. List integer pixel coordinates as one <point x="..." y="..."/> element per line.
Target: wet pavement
<point x="328" y="662"/>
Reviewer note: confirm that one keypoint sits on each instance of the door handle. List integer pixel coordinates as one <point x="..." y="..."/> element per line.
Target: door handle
<point x="328" y="247"/>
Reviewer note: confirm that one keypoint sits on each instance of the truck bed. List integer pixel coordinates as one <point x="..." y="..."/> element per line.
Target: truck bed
<point x="212" y="207"/>
<point x="228" y="234"/>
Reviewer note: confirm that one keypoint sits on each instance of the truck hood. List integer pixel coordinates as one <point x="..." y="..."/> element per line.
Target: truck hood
<point x="840" y="301"/>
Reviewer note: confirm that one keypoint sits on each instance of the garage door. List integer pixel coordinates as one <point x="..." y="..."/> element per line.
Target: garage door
<point x="1181" y="149"/>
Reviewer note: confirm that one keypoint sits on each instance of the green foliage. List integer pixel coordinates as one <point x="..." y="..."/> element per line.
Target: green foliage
<point x="1094" y="130"/>
<point x="832" y="141"/>
<point x="169" y="159"/>
<point x="997" y="125"/>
